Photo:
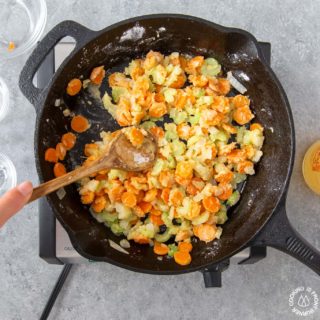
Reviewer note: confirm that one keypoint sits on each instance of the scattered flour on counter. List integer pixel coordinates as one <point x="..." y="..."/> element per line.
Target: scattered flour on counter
<point x="134" y="33"/>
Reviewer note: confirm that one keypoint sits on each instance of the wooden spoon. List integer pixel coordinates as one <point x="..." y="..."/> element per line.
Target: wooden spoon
<point x="121" y="154"/>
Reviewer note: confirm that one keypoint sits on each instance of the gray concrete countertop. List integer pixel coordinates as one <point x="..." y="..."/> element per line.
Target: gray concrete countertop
<point x="102" y="291"/>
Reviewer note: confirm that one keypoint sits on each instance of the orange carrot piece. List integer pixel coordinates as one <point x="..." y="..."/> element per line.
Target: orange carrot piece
<point x="51" y="155"/>
<point x="79" y="124"/>
<point x="156" y="220"/>
<point x="157" y="132"/>
<point x="185" y="246"/>
<point x="11" y="46"/>
<point x="129" y="199"/>
<point x="227" y="192"/>
<point x="61" y="151"/>
<point x="205" y="232"/>
<point x="182" y="257"/>
<point x="99" y="204"/>
<point x="69" y="140"/>
<point x="211" y="204"/>
<point x="255" y="126"/>
<point x="160" y="249"/>
<point x="59" y="170"/>
<point x="155" y="212"/>
<point x="165" y="195"/>
<point x="88" y="197"/>
<point x="97" y="75"/>
<point x="158" y="109"/>
<point x="145" y="206"/>
<point x="74" y="87"/>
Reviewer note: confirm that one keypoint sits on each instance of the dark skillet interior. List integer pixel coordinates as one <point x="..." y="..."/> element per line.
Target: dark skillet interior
<point x="237" y="51"/>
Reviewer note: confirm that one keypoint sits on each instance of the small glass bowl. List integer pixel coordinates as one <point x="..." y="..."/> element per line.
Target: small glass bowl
<point x="8" y="174"/>
<point x="21" y="23"/>
<point x="4" y="99"/>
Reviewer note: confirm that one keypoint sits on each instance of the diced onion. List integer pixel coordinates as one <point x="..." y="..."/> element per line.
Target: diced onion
<point x="235" y="83"/>
<point x="61" y="193"/>
<point x="124" y="243"/>
<point x="115" y="246"/>
<point x="57" y="103"/>
<point x="66" y="112"/>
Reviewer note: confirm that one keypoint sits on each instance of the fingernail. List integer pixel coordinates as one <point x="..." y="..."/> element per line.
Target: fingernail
<point x="25" y="188"/>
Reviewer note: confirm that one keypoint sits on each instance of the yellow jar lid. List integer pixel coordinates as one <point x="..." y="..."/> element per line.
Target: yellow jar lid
<point x="311" y="167"/>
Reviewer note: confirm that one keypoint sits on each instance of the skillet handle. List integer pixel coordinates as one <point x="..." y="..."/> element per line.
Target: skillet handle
<point x="66" y="28"/>
<point x="280" y="234"/>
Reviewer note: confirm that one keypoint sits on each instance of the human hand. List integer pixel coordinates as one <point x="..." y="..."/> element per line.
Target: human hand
<point x="14" y="200"/>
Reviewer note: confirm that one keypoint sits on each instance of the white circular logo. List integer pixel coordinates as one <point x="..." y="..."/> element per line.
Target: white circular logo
<point x="303" y="301"/>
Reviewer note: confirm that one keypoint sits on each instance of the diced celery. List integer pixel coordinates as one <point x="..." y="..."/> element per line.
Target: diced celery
<point x="173" y="75"/>
<point x="178" y="147"/>
<point x="163" y="237"/>
<point x="222" y="215"/>
<point x="178" y="116"/>
<point x="158" y="74"/>
<point x="194" y="119"/>
<point x="172" y="249"/>
<point x="234" y="198"/>
<point x="158" y="167"/>
<point x="210" y="67"/>
<point x="117" y="92"/>
<point x="171" y="135"/>
<point x="202" y="218"/>
<point x="239" y="177"/>
<point x="124" y="212"/>
<point x="116" y="228"/>
<point x="204" y="172"/>
<point x="147" y="230"/>
<point x="171" y="162"/>
<point x="169" y="94"/>
<point x="147" y="125"/>
<point x="204" y="100"/>
<point x="165" y="218"/>
<point x="198" y="92"/>
<point x="108" y="216"/>
<point x="240" y="133"/>
<point x="220" y="136"/>
<point x="117" y="173"/>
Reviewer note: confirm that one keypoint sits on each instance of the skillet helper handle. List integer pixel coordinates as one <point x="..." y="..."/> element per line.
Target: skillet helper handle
<point x="66" y="28"/>
<point x="281" y="235"/>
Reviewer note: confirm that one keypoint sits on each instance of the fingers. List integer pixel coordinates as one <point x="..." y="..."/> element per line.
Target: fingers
<point x="14" y="200"/>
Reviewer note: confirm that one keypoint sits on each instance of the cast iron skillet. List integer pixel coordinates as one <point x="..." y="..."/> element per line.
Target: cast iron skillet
<point x="265" y="193"/>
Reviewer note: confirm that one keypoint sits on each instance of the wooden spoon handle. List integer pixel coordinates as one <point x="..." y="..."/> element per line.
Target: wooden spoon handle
<point x="73" y="176"/>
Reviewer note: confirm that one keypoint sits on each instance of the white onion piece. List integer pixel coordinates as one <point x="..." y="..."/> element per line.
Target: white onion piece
<point x="235" y="83"/>
<point x="57" y="103"/>
<point x="61" y="193"/>
<point x="115" y="246"/>
<point x="124" y="243"/>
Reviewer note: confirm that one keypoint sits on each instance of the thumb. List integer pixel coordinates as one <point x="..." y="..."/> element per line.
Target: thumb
<point x="14" y="200"/>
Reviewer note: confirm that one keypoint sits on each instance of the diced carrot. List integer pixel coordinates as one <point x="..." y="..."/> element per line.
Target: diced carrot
<point x="74" y="87"/>
<point x="156" y="220"/>
<point x="61" y="151"/>
<point x="166" y="178"/>
<point x="224" y="177"/>
<point x="179" y="83"/>
<point x="223" y="86"/>
<point x="211" y="204"/>
<point x="205" y="232"/>
<point x="87" y="197"/>
<point x="115" y="193"/>
<point x="182" y="257"/>
<point x="256" y="126"/>
<point x="157" y="132"/>
<point x="136" y="137"/>
<point x="79" y="124"/>
<point x="158" y="109"/>
<point x="180" y="101"/>
<point x="129" y="199"/>
<point x="101" y="177"/>
<point x="51" y="155"/>
<point x="145" y="206"/>
<point x="165" y="194"/>
<point x="227" y="192"/>
<point x="59" y="170"/>
<point x="99" y="204"/>
<point x="11" y="46"/>
<point x="183" y="131"/>
<point x="191" y="189"/>
<point x="176" y="197"/>
<point x="184" y="169"/>
<point x="240" y="101"/>
<point x="243" y="165"/>
<point x="97" y="75"/>
<point x="182" y="181"/>
<point x="150" y="195"/>
<point x="141" y="239"/>
<point x="160" y="249"/>
<point x="185" y="246"/>
<point x="90" y="149"/>
<point x="159" y="97"/>
<point x="69" y="140"/>
<point x="155" y="212"/>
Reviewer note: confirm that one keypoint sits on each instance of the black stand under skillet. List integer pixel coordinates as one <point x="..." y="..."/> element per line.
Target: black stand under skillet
<point x="47" y="220"/>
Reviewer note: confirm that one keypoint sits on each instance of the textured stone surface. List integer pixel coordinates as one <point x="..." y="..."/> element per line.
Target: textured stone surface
<point x="101" y="291"/>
